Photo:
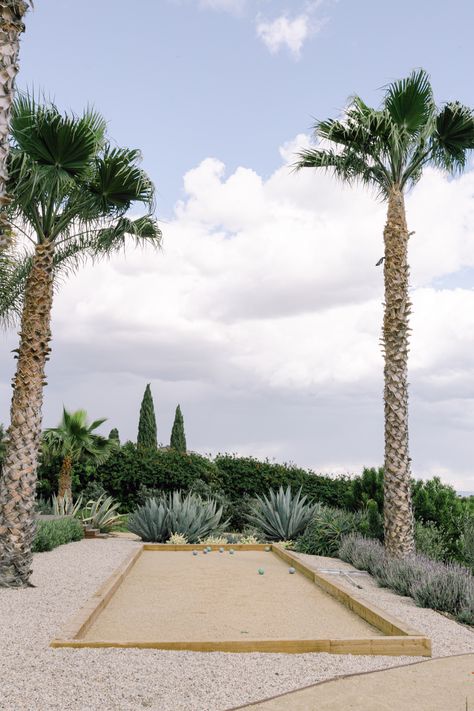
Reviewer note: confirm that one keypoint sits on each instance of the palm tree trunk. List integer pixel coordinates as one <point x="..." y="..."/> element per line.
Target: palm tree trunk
<point x="65" y="479"/>
<point x="18" y="482"/>
<point x="11" y="27"/>
<point x="398" y="516"/>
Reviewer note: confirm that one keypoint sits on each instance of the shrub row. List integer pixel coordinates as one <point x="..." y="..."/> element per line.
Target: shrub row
<point x="130" y="475"/>
<point x="55" y="532"/>
<point x="447" y="587"/>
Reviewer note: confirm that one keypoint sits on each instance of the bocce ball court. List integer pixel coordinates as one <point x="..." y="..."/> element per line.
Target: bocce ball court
<point x="235" y="598"/>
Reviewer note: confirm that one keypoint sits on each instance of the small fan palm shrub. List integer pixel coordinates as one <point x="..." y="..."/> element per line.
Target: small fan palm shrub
<point x="281" y="515"/>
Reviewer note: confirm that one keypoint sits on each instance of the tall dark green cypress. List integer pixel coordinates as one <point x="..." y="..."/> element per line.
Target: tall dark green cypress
<point x="178" y="438"/>
<point x="146" y="438"/>
<point x="114" y="434"/>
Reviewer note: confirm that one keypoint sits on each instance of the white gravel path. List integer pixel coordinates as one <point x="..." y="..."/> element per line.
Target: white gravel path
<point x="34" y="677"/>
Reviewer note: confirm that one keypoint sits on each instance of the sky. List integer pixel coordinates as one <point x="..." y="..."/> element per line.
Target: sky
<point x="262" y="314"/>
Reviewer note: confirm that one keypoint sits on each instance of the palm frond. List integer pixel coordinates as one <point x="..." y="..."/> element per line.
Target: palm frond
<point x="410" y="101"/>
<point x="454" y="136"/>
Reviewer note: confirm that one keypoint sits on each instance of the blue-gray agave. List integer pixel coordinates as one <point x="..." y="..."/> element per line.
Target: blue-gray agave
<point x="281" y="515"/>
<point x="150" y="521"/>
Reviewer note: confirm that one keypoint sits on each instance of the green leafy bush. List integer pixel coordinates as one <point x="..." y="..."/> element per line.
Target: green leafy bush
<point x="174" y="513"/>
<point x="467" y="540"/>
<point x="164" y="469"/>
<point x="56" y="532"/>
<point x="281" y="516"/>
<point x="366" y="487"/>
<point x="430" y="541"/>
<point x="249" y="477"/>
<point x="324" y="533"/>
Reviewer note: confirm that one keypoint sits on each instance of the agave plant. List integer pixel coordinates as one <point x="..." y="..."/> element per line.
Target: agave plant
<point x="65" y="506"/>
<point x="102" y="514"/>
<point x="177" y="514"/>
<point x="150" y="521"/>
<point x="193" y="516"/>
<point x="281" y="515"/>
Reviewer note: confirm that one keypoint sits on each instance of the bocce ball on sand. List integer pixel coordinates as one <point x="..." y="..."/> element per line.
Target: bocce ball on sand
<point x="267" y="548"/>
<point x="231" y="551"/>
<point x="205" y="551"/>
<point x="209" y="549"/>
<point x="195" y="552"/>
<point x="291" y="571"/>
<point x="261" y="571"/>
<point x="221" y="550"/>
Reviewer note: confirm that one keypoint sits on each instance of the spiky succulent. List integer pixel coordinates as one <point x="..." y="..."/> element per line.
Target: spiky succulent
<point x="150" y="521"/>
<point x="102" y="514"/>
<point x="170" y="514"/>
<point x="281" y="515"/>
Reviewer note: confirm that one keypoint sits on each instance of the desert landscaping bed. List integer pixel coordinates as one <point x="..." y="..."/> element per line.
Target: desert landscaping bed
<point x="35" y="676"/>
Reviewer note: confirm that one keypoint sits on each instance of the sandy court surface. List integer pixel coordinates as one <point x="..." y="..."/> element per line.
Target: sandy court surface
<point x="35" y="677"/>
<point x="175" y="596"/>
<point x="436" y="685"/>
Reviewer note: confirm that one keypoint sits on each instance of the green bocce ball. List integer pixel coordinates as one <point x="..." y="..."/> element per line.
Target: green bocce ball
<point x="267" y="548"/>
<point x="231" y="552"/>
<point x="261" y="571"/>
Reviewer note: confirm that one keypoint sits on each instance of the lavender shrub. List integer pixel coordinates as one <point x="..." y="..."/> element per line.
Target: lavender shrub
<point x="447" y="587"/>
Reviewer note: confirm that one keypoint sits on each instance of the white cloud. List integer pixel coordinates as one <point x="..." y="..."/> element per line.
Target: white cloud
<point x="232" y="6"/>
<point x="262" y="316"/>
<point x="290" y="32"/>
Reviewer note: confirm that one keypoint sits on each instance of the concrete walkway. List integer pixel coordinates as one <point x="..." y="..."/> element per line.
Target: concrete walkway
<point x="443" y="684"/>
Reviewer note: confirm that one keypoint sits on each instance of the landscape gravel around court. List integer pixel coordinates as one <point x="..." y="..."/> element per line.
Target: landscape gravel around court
<point x="35" y="677"/>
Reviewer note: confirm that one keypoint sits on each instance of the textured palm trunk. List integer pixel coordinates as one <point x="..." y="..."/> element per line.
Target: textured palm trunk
<point x="65" y="479"/>
<point x="398" y="516"/>
<point x="11" y="27"/>
<point x="18" y="482"/>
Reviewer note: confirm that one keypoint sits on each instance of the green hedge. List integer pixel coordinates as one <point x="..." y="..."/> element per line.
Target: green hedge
<point x="245" y="476"/>
<point x="55" y="532"/>
<point x="131" y="469"/>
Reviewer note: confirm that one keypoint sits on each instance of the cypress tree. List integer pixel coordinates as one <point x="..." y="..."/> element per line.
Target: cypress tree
<point x="146" y="438"/>
<point x="178" y="438"/>
<point x="114" y="434"/>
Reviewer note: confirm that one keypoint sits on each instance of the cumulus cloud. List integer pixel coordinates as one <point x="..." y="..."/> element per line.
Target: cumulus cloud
<point x="262" y="316"/>
<point x="285" y="32"/>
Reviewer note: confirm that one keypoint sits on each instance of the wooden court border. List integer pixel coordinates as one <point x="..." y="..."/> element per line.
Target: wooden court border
<point x="399" y="639"/>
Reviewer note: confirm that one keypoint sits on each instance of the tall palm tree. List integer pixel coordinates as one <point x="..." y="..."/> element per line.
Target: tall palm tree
<point x="74" y="441"/>
<point x="12" y="13"/>
<point x="387" y="148"/>
<point x="71" y="192"/>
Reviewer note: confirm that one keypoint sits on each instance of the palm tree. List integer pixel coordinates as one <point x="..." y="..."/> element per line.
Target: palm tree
<point x="387" y="148"/>
<point x="74" y="440"/>
<point x="71" y="192"/>
<point x="11" y="27"/>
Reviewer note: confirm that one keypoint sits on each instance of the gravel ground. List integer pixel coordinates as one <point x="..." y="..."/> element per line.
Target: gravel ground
<point x="34" y="677"/>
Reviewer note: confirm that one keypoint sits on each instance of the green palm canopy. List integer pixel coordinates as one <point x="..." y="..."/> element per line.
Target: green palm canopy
<point x="74" y="441"/>
<point x="71" y="195"/>
<point x="387" y="148"/>
<point x="71" y="187"/>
